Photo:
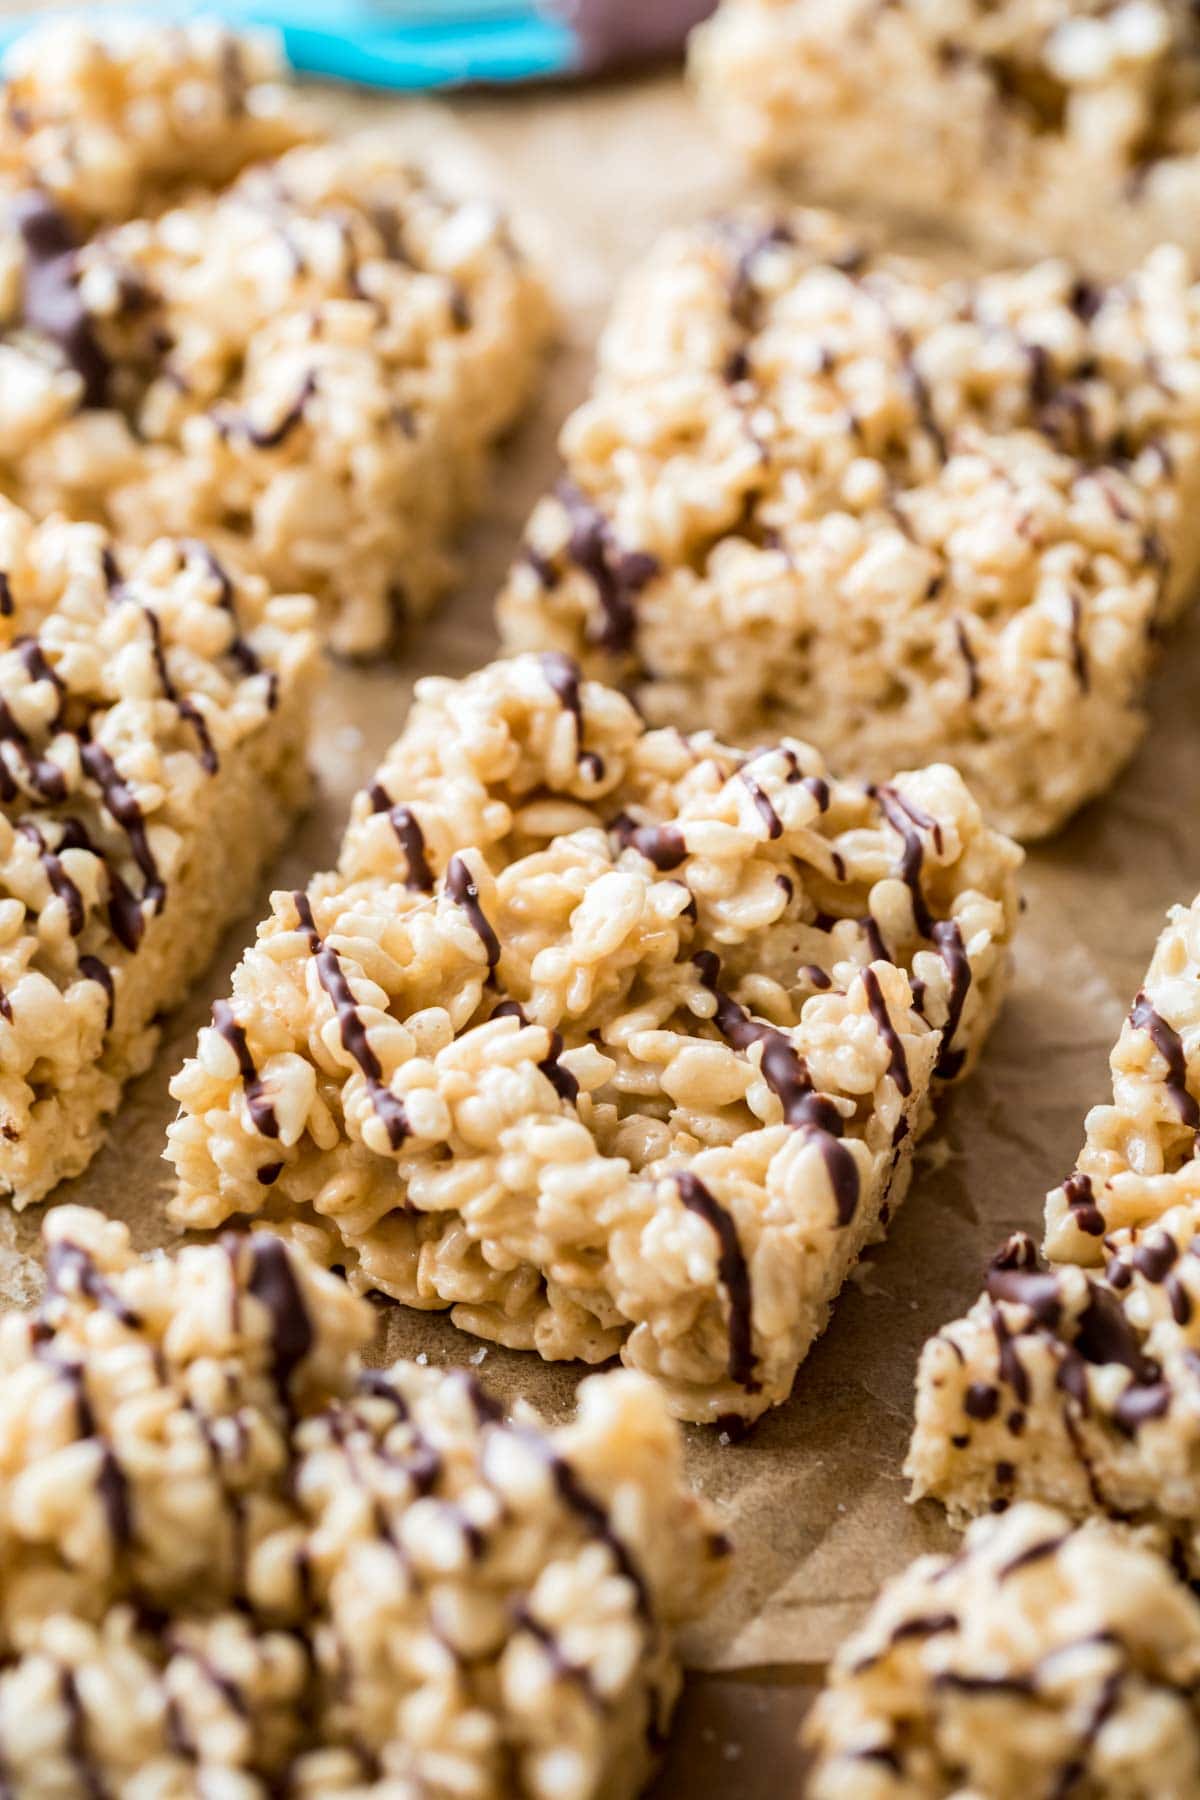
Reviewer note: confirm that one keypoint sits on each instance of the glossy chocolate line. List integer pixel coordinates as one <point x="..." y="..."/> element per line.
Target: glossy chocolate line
<point x="92" y="969"/>
<point x="461" y="887"/>
<point x="563" y="676"/>
<point x="733" y="1273"/>
<point x="388" y="1107"/>
<point x="60" y="882"/>
<point x="70" y="1265"/>
<point x="1167" y="1042"/>
<point x="560" y="1079"/>
<point x="121" y="803"/>
<point x="51" y="305"/>
<point x="661" y="845"/>
<point x="409" y="836"/>
<point x="947" y="935"/>
<point x="897" y="1060"/>
<point x="969" y="658"/>
<point x="43" y="779"/>
<point x="262" y="1113"/>
<point x="618" y="575"/>
<point x="187" y="709"/>
<point x="762" y="801"/>
<point x="246" y="658"/>
<point x="904" y="820"/>
<point x="270" y="437"/>
<point x="1081" y="1202"/>
<point x="272" y="1281"/>
<point x="786" y="1074"/>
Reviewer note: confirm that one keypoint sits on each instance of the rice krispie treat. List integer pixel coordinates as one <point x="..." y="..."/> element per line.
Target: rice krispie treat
<point x="614" y="1041"/>
<point x="306" y="367"/>
<point x="830" y="492"/>
<point x="120" y="117"/>
<point x="235" y="1561"/>
<point x="1039" y="1661"/>
<point x="1082" y="1387"/>
<point x="1061" y="125"/>
<point x="1139" y="1157"/>
<point x="153" y="718"/>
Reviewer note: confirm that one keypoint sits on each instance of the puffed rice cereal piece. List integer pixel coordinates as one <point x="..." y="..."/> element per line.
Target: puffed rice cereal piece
<point x="1081" y="1386"/>
<point x="153" y="722"/>
<point x="306" y="368"/>
<point x="613" y="1041"/>
<point x="1036" y="125"/>
<point x="1037" y="1662"/>
<point x="235" y="1561"/>
<point x="911" y="518"/>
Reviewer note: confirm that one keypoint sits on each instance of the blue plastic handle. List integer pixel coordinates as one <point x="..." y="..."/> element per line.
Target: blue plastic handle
<point x="408" y="54"/>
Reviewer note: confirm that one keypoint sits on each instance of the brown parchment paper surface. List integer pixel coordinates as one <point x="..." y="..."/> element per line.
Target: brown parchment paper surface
<point x="814" y="1498"/>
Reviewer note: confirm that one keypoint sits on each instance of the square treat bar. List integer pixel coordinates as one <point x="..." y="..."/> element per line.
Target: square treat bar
<point x="236" y="1562"/>
<point x="612" y="1040"/>
<point x="1038" y="1660"/>
<point x="153" y="716"/>
<point x="1082" y="1387"/>
<point x="822" y="491"/>
<point x="306" y="368"/>
<point x="1035" y="125"/>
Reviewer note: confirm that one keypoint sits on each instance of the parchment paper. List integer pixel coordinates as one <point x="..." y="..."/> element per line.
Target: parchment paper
<point x="814" y="1499"/>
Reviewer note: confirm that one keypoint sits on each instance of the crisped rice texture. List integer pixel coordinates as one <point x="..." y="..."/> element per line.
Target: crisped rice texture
<point x="1039" y="1661"/>
<point x="832" y="492"/>
<point x="1139" y="1154"/>
<point x="614" y="1041"/>
<point x="121" y="117"/>
<point x="305" y="367"/>
<point x="153" y="718"/>
<point x="1079" y="1386"/>
<point x="233" y="1561"/>
<point x="1059" y="125"/>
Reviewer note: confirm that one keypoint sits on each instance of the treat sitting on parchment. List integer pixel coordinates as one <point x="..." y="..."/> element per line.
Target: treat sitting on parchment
<point x="305" y="367"/>
<point x="153" y="722"/>
<point x="1036" y="125"/>
<point x="1039" y="1662"/>
<point x="910" y="518"/>
<point x="1081" y="1386"/>
<point x="237" y="1562"/>
<point x="612" y="1040"/>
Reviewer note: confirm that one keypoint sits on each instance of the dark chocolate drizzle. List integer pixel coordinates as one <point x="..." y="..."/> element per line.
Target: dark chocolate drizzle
<point x="403" y="822"/>
<point x="618" y="575"/>
<point x="331" y="975"/>
<point x="786" y="1074"/>
<point x="272" y="1281"/>
<point x="908" y="820"/>
<point x="51" y="304"/>
<point x="262" y="1113"/>
<point x="947" y="935"/>
<point x="897" y="1060"/>
<point x="1167" y="1042"/>
<point x="662" y="845"/>
<point x="734" y="1274"/>
<point x="1081" y="1203"/>
<point x="461" y="887"/>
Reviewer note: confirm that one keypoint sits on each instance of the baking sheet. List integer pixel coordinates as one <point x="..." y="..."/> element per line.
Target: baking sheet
<point x="814" y="1498"/>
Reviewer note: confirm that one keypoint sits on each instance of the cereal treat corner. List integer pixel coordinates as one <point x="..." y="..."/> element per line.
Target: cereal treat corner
<point x="216" y="323"/>
<point x="1075" y="1378"/>
<point x="1070" y="126"/>
<point x="1040" y="1660"/>
<point x="153" y="722"/>
<point x="610" y="1039"/>
<point x="237" y="1561"/>
<point x="907" y="516"/>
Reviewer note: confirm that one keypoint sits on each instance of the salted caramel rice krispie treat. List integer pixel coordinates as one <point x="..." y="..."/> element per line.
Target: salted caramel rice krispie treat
<point x="825" y="491"/>
<point x="1078" y="1385"/>
<point x="305" y="367"/>
<point x="153" y="716"/>
<point x="1061" y="125"/>
<point x="613" y="1041"/>
<point x="1040" y="1661"/>
<point x="234" y="1561"/>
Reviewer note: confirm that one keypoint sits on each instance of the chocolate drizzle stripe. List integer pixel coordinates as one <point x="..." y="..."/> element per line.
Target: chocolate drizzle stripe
<point x="947" y="935"/>
<point x="733" y="1272"/>
<point x="1167" y="1042"/>
<point x="661" y="845"/>
<point x="272" y="1281"/>
<point x="408" y="835"/>
<point x="353" y="1033"/>
<point x="462" y="889"/>
<point x="897" y="1060"/>
<point x="905" y="819"/>
<point x="262" y="1113"/>
<point x="618" y="575"/>
<point x="92" y="969"/>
